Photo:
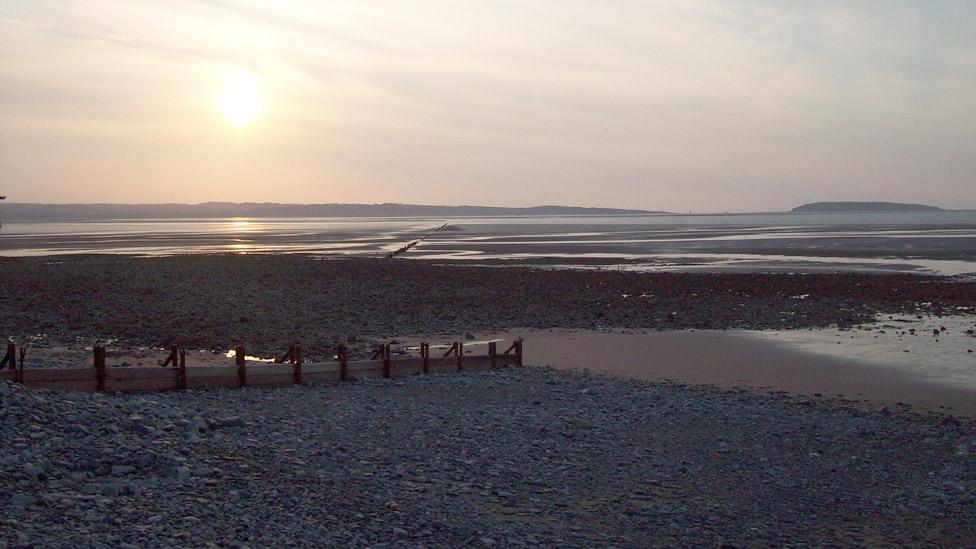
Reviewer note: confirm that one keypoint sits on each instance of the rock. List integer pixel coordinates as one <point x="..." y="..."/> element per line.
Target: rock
<point x="34" y="471"/>
<point x="122" y="470"/>
<point x="230" y="421"/>
<point x="950" y="421"/>
<point x="197" y="425"/>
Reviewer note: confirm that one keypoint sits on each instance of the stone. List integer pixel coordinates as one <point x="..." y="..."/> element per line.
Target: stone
<point x="230" y="421"/>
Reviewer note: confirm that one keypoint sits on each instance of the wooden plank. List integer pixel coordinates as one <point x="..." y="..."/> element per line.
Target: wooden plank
<point x="143" y="385"/>
<point x="58" y="374"/>
<point x="258" y="370"/>
<point x="365" y="366"/>
<point x="443" y="364"/>
<point x="211" y="376"/>
<point x="405" y="366"/>
<point x="477" y="362"/>
<point x="8" y="374"/>
<point x="319" y="367"/>
<point x="129" y="373"/>
<point x="210" y="371"/>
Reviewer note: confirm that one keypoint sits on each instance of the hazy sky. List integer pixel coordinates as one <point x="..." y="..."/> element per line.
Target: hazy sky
<point x="675" y="105"/>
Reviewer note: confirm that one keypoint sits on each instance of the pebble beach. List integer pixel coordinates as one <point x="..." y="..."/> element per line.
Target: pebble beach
<point x="510" y="458"/>
<point x="518" y="457"/>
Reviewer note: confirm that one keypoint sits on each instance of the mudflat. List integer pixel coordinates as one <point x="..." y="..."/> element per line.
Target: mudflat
<point x="268" y="302"/>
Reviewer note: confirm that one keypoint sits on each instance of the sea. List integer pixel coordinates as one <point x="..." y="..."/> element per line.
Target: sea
<point x="925" y="242"/>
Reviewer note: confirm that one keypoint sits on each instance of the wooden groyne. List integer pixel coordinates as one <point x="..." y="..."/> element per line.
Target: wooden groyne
<point x="289" y="369"/>
<point x="405" y="248"/>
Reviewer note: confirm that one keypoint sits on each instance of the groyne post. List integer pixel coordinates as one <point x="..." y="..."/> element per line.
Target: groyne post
<point x="493" y="353"/>
<point x="99" y="362"/>
<point x="342" y="353"/>
<point x="425" y="356"/>
<point x="10" y="357"/>
<point x="297" y="358"/>
<point x="241" y="368"/>
<point x="387" y="362"/>
<point x="181" y="370"/>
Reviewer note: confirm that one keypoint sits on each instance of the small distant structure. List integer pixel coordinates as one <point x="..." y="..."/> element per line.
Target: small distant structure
<point x="1" y="221"/>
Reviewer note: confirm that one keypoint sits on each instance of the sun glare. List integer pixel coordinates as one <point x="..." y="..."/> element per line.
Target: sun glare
<point x="240" y="97"/>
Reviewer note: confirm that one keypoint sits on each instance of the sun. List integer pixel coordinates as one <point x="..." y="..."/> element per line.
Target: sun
<point x="240" y="97"/>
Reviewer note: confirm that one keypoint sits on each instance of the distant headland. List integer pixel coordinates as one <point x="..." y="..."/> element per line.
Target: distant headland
<point x="86" y="212"/>
<point x="860" y="207"/>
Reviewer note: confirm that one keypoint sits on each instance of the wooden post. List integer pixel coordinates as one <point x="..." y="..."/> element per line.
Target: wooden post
<point x="518" y="352"/>
<point x="493" y="353"/>
<point x="171" y="359"/>
<point x="241" y="368"/>
<point x="387" y="361"/>
<point x="343" y="354"/>
<point x="99" y="356"/>
<point x="297" y="357"/>
<point x="459" y="352"/>
<point x="19" y="372"/>
<point x="181" y="370"/>
<point x="425" y="356"/>
<point x="19" y="376"/>
<point x="12" y="351"/>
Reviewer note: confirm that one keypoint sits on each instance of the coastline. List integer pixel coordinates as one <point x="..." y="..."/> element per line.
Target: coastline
<point x="59" y="307"/>
<point x="738" y="359"/>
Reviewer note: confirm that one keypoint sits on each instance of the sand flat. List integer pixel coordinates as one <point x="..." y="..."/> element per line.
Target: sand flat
<point x="739" y="358"/>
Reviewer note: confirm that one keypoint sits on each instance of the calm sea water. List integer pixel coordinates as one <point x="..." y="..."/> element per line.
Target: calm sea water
<point x="939" y="242"/>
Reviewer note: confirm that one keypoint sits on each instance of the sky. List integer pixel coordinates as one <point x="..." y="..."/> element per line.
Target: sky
<point x="694" y="105"/>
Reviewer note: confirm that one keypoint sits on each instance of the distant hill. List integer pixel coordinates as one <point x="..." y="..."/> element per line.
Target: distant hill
<point x="89" y="212"/>
<point x="833" y="207"/>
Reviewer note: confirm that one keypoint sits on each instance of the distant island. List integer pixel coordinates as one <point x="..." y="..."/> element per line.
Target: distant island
<point x="861" y="207"/>
<point x="94" y="212"/>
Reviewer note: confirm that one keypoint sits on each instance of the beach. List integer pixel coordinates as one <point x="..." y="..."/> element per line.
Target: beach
<point x="521" y="457"/>
<point x="656" y="409"/>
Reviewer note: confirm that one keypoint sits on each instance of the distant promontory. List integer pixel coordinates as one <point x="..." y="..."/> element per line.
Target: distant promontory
<point x="92" y="212"/>
<point x="863" y="207"/>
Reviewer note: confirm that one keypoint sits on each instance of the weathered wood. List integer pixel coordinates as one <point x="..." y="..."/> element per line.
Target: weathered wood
<point x="137" y="379"/>
<point x="239" y="358"/>
<point x="443" y="364"/>
<point x="309" y="368"/>
<point x="181" y="372"/>
<point x="366" y="368"/>
<point x="343" y="353"/>
<point x="135" y="372"/>
<point x="142" y="385"/>
<point x="408" y="365"/>
<point x="297" y="371"/>
<point x="10" y="357"/>
<point x="171" y="358"/>
<point x="212" y="376"/>
<point x="60" y="374"/>
<point x="99" y="356"/>
<point x="492" y="352"/>
<point x="321" y="377"/>
<point x="477" y="362"/>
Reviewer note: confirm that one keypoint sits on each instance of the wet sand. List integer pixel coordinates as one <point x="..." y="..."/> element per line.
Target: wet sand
<point x="739" y="359"/>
